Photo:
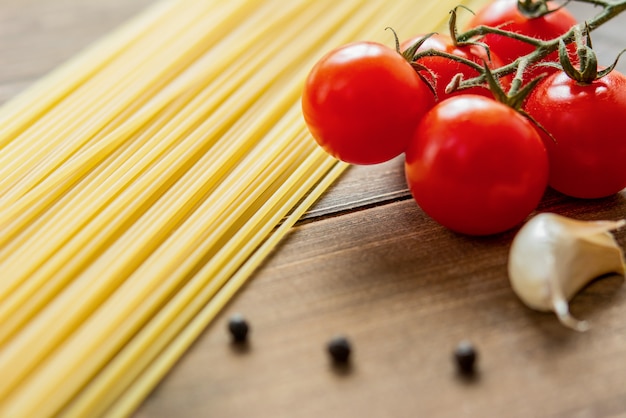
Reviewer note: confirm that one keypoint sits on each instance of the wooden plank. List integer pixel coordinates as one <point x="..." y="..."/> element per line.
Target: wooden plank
<point x="405" y="291"/>
<point x="362" y="187"/>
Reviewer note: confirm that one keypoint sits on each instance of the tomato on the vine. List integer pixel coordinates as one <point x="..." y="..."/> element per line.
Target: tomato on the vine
<point x="476" y="165"/>
<point x="444" y="69"/>
<point x="588" y="150"/>
<point x="363" y="101"/>
<point x="505" y="15"/>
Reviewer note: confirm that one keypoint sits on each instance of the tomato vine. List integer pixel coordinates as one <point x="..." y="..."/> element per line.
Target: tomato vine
<point x="543" y="48"/>
<point x="476" y="165"/>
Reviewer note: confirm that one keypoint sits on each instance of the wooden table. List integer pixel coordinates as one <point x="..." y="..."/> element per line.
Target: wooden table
<point x="368" y="263"/>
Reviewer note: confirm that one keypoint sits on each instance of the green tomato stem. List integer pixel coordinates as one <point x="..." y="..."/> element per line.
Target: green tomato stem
<point x="543" y="48"/>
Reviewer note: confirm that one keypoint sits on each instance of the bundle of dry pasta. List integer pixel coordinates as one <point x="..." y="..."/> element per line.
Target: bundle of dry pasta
<point x="142" y="183"/>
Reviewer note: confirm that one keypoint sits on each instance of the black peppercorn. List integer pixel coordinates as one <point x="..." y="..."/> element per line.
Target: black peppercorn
<point x="238" y="328"/>
<point x="465" y="357"/>
<point x="339" y="349"/>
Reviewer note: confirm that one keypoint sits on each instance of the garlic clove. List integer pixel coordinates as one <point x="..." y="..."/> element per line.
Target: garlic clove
<point x="553" y="257"/>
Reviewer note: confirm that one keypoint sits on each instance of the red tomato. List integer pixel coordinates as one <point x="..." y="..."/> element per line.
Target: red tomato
<point x="587" y="121"/>
<point x="445" y="69"/>
<point x="363" y="101"/>
<point x="476" y="166"/>
<point x="505" y="15"/>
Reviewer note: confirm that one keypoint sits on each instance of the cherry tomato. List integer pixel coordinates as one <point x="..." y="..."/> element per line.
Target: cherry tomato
<point x="505" y="15"/>
<point x="587" y="122"/>
<point x="476" y="166"/>
<point x="363" y="101"/>
<point x="445" y="69"/>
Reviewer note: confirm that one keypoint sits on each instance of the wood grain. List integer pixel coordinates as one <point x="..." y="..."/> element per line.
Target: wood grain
<point x="405" y="291"/>
<point x="368" y="263"/>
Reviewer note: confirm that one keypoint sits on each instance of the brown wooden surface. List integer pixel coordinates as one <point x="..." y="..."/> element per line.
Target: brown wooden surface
<point x="367" y="262"/>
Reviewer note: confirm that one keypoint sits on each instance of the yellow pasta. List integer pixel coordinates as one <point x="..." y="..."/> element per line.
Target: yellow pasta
<point x="132" y="165"/>
<point x="143" y="182"/>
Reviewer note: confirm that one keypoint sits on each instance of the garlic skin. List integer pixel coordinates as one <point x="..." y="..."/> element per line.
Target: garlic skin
<point x="553" y="257"/>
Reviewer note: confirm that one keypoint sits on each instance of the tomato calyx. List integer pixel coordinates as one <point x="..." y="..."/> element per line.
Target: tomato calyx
<point x="409" y="55"/>
<point x="413" y="56"/>
<point x="533" y="9"/>
<point x="516" y="96"/>
<point x="588" y="70"/>
<point x="455" y="83"/>
<point x="454" y="32"/>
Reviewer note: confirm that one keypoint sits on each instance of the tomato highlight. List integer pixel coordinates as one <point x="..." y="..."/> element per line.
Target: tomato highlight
<point x="588" y="152"/>
<point x="476" y="166"/>
<point x="363" y="101"/>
